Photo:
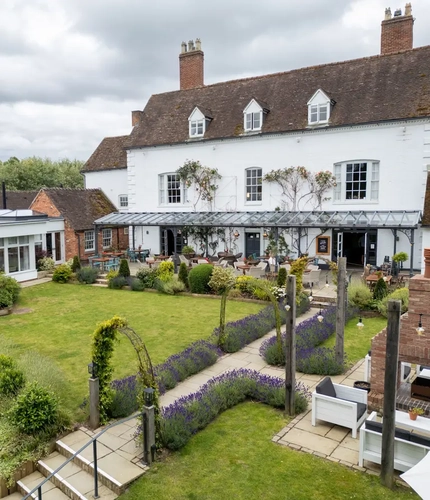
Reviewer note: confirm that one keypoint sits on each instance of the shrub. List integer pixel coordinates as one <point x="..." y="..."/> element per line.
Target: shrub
<point x="234" y="293"/>
<point x="87" y="275"/>
<point x="199" y="278"/>
<point x="125" y="397"/>
<point x="46" y="264"/>
<point x="380" y="290"/>
<point x="124" y="269"/>
<point x="111" y="274"/>
<point x="399" y="294"/>
<point x="298" y="268"/>
<point x="136" y="285"/>
<point x="62" y="274"/>
<point x="246" y="284"/>
<point x="76" y="264"/>
<point x="260" y="294"/>
<point x="117" y="283"/>
<point x="35" y="410"/>
<point x="183" y="274"/>
<point x="188" y="249"/>
<point x="194" y="412"/>
<point x="195" y="358"/>
<point x="171" y="287"/>
<point x="5" y="299"/>
<point x="359" y="295"/>
<point x="319" y="361"/>
<point x="11" y="378"/>
<point x="165" y="271"/>
<point x="222" y="279"/>
<point x="147" y="277"/>
<point x="282" y="277"/>
<point x="12" y="289"/>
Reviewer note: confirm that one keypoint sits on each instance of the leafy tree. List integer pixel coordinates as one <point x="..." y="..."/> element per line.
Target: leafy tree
<point x="35" y="173"/>
<point x="222" y="281"/>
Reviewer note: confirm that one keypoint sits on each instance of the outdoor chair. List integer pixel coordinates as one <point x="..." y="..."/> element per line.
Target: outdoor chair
<point x="262" y="266"/>
<point x="184" y="260"/>
<point x="255" y="272"/>
<point x="312" y="277"/>
<point x="339" y="404"/>
<point x="131" y="255"/>
<point x="287" y="267"/>
<point x="312" y="267"/>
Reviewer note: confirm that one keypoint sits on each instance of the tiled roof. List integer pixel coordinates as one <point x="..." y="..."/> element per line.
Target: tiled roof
<point x="18" y="200"/>
<point x="110" y="154"/>
<point x="367" y="90"/>
<point x="81" y="207"/>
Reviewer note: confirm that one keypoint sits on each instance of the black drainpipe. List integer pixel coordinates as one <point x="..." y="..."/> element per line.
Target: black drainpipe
<point x="3" y="189"/>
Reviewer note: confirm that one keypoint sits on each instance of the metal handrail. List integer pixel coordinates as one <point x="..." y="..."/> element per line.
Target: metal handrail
<point x="93" y="440"/>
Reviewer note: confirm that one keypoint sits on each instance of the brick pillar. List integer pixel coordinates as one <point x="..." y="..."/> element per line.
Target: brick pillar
<point x="191" y="65"/>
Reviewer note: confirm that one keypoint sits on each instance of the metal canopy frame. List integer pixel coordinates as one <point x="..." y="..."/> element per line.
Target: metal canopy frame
<point x="389" y="219"/>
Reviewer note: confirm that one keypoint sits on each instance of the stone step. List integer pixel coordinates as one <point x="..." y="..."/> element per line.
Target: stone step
<point x="74" y="482"/>
<point x="49" y="490"/>
<point x="317" y="304"/>
<point x="13" y="496"/>
<point x="322" y="298"/>
<point x="114" y="455"/>
<point x="99" y="284"/>
<point x="102" y="281"/>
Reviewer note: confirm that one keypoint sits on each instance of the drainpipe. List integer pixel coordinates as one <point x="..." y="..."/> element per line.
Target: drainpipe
<point x="3" y="189"/>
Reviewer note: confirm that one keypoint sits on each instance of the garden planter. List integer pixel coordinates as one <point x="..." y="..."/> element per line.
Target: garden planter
<point x="361" y="384"/>
<point x="413" y="416"/>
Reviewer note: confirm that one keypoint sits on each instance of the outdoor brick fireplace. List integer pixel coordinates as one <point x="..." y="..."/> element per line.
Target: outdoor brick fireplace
<point x="413" y="348"/>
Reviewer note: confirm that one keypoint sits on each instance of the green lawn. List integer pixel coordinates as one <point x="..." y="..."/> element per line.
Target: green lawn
<point x="64" y="317"/>
<point x="358" y="342"/>
<point x="234" y="458"/>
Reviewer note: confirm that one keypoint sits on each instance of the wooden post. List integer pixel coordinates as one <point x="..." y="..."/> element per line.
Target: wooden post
<point x="340" y="309"/>
<point x="290" y="348"/>
<point x="390" y="389"/>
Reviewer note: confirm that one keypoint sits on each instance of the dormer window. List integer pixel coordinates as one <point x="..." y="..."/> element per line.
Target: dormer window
<point x="253" y="116"/>
<point x="198" y="122"/>
<point x="319" y="107"/>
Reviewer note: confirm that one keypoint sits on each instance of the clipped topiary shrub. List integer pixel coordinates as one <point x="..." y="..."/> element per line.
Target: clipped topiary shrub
<point x="35" y="410"/>
<point x="136" y="285"/>
<point x="62" y="274"/>
<point x="12" y="379"/>
<point x="282" y="277"/>
<point x="76" y="264"/>
<point x="183" y="274"/>
<point x="199" y="278"/>
<point x="380" y="290"/>
<point x="399" y="294"/>
<point x="124" y="269"/>
<point x="87" y="275"/>
<point x="165" y="271"/>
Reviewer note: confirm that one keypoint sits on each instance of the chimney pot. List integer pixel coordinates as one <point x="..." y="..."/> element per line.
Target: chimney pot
<point x="387" y="14"/>
<point x="397" y="12"/>
<point x="198" y="44"/>
<point x="408" y="9"/>
<point x="190" y="46"/>
<point x="183" y="47"/>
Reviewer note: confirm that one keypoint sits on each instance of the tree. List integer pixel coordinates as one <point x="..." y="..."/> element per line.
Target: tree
<point x="35" y="173"/>
<point x="204" y="179"/>
<point x="222" y="281"/>
<point x="301" y="187"/>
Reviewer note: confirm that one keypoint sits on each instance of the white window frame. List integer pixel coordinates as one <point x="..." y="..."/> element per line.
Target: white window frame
<point x="253" y="121"/>
<point x="253" y="196"/>
<point x="316" y="110"/>
<point x="197" y="128"/>
<point x="22" y="244"/>
<point x="163" y="189"/>
<point x="349" y="182"/>
<point x="89" y="238"/>
<point x="107" y="237"/>
<point x="123" y="201"/>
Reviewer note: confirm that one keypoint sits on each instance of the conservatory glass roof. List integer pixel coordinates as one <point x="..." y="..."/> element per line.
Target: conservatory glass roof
<point x="322" y="219"/>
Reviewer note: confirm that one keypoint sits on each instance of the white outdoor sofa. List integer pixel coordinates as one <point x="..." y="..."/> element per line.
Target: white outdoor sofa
<point x="339" y="404"/>
<point x="409" y="447"/>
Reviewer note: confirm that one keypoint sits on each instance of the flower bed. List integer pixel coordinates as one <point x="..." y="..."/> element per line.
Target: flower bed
<point x="309" y="357"/>
<point x="189" y="414"/>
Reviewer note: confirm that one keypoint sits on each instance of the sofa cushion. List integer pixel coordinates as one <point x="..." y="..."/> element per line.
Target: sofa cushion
<point x="361" y="410"/>
<point x="326" y="388"/>
<point x="417" y="438"/>
<point x="374" y="426"/>
<point x="402" y="434"/>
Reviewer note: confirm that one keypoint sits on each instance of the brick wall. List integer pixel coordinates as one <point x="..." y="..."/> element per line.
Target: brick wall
<point x="397" y="34"/>
<point x="412" y="348"/>
<point x="119" y="241"/>
<point x="191" y="69"/>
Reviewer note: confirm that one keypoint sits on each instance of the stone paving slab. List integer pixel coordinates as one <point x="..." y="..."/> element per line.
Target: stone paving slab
<point x="310" y="441"/>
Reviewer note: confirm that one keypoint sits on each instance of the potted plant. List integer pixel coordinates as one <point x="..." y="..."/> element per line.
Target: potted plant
<point x="414" y="412"/>
<point x="188" y="251"/>
<point x="398" y="260"/>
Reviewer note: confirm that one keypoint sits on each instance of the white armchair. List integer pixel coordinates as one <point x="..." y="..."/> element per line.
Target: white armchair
<point x="312" y="277"/>
<point x="339" y="404"/>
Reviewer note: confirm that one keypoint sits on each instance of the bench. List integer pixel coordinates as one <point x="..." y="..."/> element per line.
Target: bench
<point x="339" y="404"/>
<point x="409" y="447"/>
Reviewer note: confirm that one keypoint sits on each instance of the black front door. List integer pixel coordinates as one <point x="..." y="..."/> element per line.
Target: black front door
<point x="252" y="244"/>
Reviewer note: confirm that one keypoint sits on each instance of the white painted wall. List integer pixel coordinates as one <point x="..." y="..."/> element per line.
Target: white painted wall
<point x="403" y="150"/>
<point x="112" y="182"/>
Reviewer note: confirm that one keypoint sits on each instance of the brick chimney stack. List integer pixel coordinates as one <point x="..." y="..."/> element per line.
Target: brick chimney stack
<point x="191" y="65"/>
<point x="397" y="31"/>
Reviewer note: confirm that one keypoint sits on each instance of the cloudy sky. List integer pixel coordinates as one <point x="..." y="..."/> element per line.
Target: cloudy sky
<point x="71" y="71"/>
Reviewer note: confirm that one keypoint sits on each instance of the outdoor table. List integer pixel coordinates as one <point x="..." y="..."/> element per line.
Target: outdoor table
<point x="420" y="424"/>
<point x="244" y="268"/>
<point x="373" y="278"/>
<point x="162" y="257"/>
<point x="102" y="261"/>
